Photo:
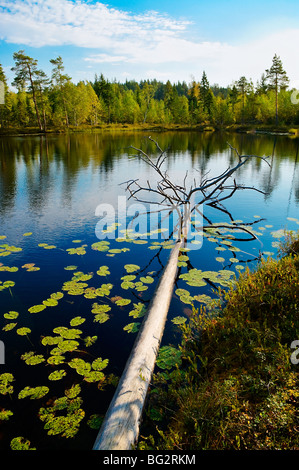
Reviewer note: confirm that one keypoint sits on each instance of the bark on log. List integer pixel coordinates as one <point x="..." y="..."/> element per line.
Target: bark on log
<point x="120" y="429"/>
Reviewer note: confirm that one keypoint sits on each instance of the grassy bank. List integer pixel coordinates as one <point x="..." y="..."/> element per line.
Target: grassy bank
<point x="282" y="129"/>
<point x="234" y="385"/>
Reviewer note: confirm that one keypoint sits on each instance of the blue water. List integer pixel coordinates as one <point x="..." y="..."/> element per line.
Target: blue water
<point x="51" y="187"/>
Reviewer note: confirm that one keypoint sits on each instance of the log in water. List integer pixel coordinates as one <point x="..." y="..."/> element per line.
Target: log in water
<point x="120" y="428"/>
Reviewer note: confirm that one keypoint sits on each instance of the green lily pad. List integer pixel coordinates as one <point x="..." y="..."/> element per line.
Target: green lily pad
<point x="76" y="321"/>
<point x="103" y="271"/>
<point x="23" y="331"/>
<point x="33" y="392"/>
<point x="36" y="308"/>
<point x="138" y="311"/>
<point x="132" y="327"/>
<point x="32" y="359"/>
<point x="130" y="268"/>
<point x="147" y="279"/>
<point x="57" y="375"/>
<point x="5" y="383"/>
<point x="9" y="326"/>
<point x="11" y="315"/>
<point x="168" y="357"/>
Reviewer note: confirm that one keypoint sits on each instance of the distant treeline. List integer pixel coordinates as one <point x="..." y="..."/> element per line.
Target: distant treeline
<point x="57" y="102"/>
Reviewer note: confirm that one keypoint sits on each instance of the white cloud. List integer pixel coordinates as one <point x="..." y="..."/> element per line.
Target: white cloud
<point x="149" y="41"/>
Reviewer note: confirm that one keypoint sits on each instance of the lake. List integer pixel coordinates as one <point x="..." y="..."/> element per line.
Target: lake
<point x="74" y="287"/>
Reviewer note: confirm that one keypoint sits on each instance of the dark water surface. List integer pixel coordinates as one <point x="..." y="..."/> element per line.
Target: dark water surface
<point x="50" y="188"/>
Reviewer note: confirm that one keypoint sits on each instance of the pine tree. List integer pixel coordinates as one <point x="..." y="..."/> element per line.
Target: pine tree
<point x="60" y="80"/>
<point x="278" y="79"/>
<point x="26" y="72"/>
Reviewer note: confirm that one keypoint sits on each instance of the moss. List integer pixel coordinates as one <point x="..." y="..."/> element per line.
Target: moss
<point x="236" y="387"/>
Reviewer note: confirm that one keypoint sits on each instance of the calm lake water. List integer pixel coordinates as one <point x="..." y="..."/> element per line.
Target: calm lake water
<point x="50" y="188"/>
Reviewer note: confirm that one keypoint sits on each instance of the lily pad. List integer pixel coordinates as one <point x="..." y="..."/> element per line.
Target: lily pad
<point x="23" y="331"/>
<point x="132" y="327"/>
<point x="103" y="271"/>
<point x="33" y="392"/>
<point x="57" y="374"/>
<point x="36" y="308"/>
<point x="130" y="268"/>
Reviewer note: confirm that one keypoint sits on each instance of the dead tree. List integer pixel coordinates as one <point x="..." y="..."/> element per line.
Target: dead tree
<point x="120" y="428"/>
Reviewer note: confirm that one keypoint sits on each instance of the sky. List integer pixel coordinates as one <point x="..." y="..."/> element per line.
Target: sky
<point x="150" y="39"/>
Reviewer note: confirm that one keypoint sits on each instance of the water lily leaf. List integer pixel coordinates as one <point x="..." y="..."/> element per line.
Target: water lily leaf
<point x="89" y="340"/>
<point x="278" y="233"/>
<point x="12" y="269"/>
<point x="36" y="308"/>
<point x="67" y="333"/>
<point x="122" y="302"/>
<point x="32" y="359"/>
<point x="101" y="317"/>
<point x="203" y="298"/>
<point x="103" y="308"/>
<point x="5" y="383"/>
<point x="94" y="376"/>
<point x="129" y="277"/>
<point x="56" y="295"/>
<point x="90" y="293"/>
<point x="99" y="363"/>
<point x="2" y="237"/>
<point x="103" y="271"/>
<point x="138" y="311"/>
<point x="130" y="268"/>
<point x="147" y="279"/>
<point x="5" y="415"/>
<point x="77" y="251"/>
<point x="50" y="302"/>
<point x="168" y="357"/>
<point x="73" y="391"/>
<point x="82" y="367"/>
<point x="51" y="340"/>
<point x="76" y="321"/>
<point x="132" y="327"/>
<point x="9" y="326"/>
<point x="70" y="268"/>
<point x="104" y="290"/>
<point x="8" y="284"/>
<point x="179" y="320"/>
<point x="11" y="315"/>
<point x="27" y="234"/>
<point x="103" y="245"/>
<point x="20" y="443"/>
<point x="56" y="360"/>
<point x="57" y="374"/>
<point x="95" y="421"/>
<point x="65" y="346"/>
<point x="76" y="241"/>
<point x="127" y="285"/>
<point x="33" y="392"/>
<point x="220" y="259"/>
<point x="194" y="277"/>
<point x="23" y="331"/>
<point x="184" y="296"/>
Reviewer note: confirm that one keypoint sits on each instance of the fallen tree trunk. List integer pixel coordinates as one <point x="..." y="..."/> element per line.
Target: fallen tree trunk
<point x="120" y="429"/>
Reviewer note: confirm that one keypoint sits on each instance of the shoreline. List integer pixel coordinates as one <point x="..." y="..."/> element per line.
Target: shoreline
<point x="290" y="131"/>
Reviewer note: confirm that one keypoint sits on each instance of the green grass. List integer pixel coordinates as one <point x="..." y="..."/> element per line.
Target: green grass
<point x="235" y="386"/>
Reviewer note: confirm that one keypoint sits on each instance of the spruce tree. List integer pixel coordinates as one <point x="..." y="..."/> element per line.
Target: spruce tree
<point x="277" y="78"/>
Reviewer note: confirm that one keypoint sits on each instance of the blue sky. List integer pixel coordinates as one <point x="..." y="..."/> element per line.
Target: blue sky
<point x="175" y="40"/>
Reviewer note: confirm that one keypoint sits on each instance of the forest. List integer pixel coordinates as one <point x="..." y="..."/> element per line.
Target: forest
<point x="47" y="102"/>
